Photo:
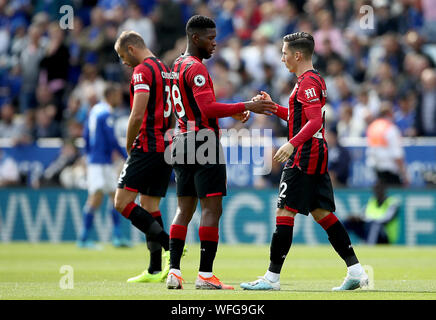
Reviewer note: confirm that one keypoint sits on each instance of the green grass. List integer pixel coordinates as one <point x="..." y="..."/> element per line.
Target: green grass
<point x="32" y="271"/>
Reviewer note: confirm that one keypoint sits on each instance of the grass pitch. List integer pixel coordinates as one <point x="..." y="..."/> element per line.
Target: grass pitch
<point x="32" y="271"/>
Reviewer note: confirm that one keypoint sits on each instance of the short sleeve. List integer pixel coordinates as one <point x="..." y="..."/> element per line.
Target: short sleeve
<point x="197" y="77"/>
<point x="309" y="92"/>
<point x="141" y="79"/>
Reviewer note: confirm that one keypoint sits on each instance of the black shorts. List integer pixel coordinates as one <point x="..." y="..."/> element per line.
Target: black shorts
<point x="194" y="179"/>
<point x="146" y="173"/>
<point x="303" y="193"/>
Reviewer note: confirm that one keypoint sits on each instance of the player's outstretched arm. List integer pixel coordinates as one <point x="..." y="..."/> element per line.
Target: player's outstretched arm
<point x="261" y="107"/>
<point x="213" y="109"/>
<point x="140" y="101"/>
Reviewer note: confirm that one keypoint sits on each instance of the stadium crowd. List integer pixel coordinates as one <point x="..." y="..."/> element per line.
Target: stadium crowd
<point x="50" y="77"/>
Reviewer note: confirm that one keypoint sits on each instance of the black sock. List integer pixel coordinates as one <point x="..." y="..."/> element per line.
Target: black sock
<point x="176" y="249"/>
<point x="155" y="248"/>
<point x="339" y="239"/>
<point x="143" y="220"/>
<point x="155" y="256"/>
<point x="159" y="220"/>
<point x="207" y="255"/>
<point x="281" y="243"/>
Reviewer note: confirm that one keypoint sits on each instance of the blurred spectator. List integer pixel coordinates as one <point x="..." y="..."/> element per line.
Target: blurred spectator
<point x="406" y="113"/>
<point x="357" y="62"/>
<point x="90" y="87"/>
<point x="75" y="50"/>
<point x="367" y="106"/>
<point x="343" y="11"/>
<point x="411" y="16"/>
<point x="54" y="67"/>
<point x="348" y="126"/>
<point x="272" y="22"/>
<point x="246" y="19"/>
<point x="327" y="56"/>
<point x="9" y="174"/>
<point x="290" y="16"/>
<point x="29" y="62"/>
<point x="224" y="20"/>
<point x="75" y="110"/>
<point x="109" y="62"/>
<point x="16" y="127"/>
<point x="385" y="153"/>
<point x="68" y="155"/>
<point x="339" y="159"/>
<point x="415" y="42"/>
<point x="112" y="8"/>
<point x="385" y="20"/>
<point x="380" y="223"/>
<point x="259" y="52"/>
<point x="4" y="28"/>
<point x="392" y="52"/>
<point x="169" y="24"/>
<point x="425" y="124"/>
<point x="10" y="125"/>
<point x="92" y="38"/>
<point x="142" y="24"/>
<point x="327" y="30"/>
<point x="429" y="13"/>
<point x="45" y="124"/>
<point x="414" y="64"/>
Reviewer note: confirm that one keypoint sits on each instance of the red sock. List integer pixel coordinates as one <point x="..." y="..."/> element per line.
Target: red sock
<point x="128" y="209"/>
<point x="284" y="220"/>
<point x="156" y="214"/>
<point x="328" y="221"/>
<point x="178" y="232"/>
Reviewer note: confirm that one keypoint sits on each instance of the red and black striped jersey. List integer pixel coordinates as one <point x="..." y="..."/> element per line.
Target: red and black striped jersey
<point x="154" y="77"/>
<point x="309" y="91"/>
<point x="190" y="80"/>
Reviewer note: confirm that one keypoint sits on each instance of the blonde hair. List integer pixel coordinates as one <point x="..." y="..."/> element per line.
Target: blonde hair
<point x="129" y="38"/>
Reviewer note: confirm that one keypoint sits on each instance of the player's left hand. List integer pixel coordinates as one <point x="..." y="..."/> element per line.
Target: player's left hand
<point x="242" y="116"/>
<point x="284" y="152"/>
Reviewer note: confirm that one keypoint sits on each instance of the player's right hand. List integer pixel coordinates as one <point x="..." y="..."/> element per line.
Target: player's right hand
<point x="261" y="106"/>
<point x="265" y="96"/>
<point x="262" y="96"/>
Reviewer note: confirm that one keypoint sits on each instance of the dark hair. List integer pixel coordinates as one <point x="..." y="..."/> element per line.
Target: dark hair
<point x="301" y="41"/>
<point x="198" y="22"/>
<point x="110" y="88"/>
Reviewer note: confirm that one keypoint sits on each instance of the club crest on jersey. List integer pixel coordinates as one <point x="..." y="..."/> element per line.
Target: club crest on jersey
<point x="199" y="80"/>
<point x="310" y="93"/>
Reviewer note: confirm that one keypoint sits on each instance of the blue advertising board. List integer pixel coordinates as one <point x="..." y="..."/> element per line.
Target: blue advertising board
<point x="55" y="215"/>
